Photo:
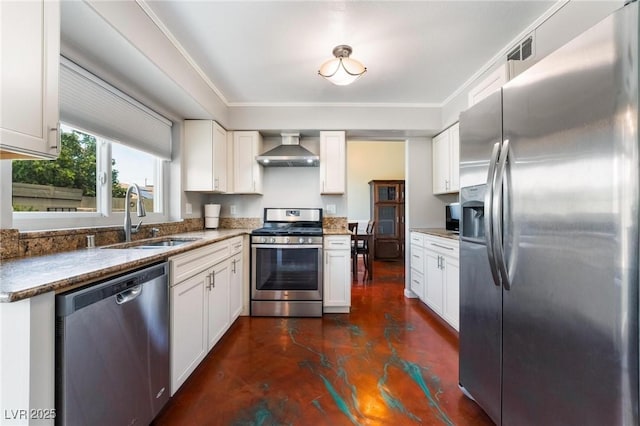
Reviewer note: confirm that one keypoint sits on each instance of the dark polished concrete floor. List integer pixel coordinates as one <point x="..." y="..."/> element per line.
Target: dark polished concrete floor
<point x="388" y="362"/>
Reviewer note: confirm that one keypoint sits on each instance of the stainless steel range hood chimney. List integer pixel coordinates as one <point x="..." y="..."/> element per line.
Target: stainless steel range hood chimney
<point x="289" y="154"/>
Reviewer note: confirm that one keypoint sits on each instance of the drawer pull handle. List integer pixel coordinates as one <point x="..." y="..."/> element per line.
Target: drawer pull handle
<point x="444" y="247"/>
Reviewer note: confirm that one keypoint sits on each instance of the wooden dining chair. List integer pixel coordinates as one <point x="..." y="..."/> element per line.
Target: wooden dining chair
<point x="363" y="247"/>
<point x="353" y="228"/>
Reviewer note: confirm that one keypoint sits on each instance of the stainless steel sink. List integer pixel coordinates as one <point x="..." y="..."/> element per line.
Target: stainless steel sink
<point x="165" y="242"/>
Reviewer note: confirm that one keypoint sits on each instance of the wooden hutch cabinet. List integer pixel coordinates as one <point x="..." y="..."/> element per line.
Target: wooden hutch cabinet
<point x="387" y="210"/>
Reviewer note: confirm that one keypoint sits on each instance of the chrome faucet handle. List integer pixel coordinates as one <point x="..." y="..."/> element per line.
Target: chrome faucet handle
<point x="155" y="232"/>
<point x="136" y="228"/>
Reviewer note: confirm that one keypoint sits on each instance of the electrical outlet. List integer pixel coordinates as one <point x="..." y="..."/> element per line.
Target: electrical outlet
<point x="331" y="208"/>
<point x="188" y="209"/>
<point x="233" y="209"/>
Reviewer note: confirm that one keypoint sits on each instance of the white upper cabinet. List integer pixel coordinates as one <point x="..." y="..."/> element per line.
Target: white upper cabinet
<point x="446" y="161"/>
<point x="490" y="84"/>
<point x="332" y="162"/>
<point x="247" y="172"/>
<point x="205" y="156"/>
<point x="30" y="62"/>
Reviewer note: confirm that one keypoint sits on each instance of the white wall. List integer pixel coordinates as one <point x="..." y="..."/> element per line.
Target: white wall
<point x="283" y="187"/>
<point x="369" y="160"/>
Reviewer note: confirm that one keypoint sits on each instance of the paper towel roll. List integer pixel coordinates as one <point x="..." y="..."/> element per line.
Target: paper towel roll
<point x="211" y="222"/>
<point x="212" y="210"/>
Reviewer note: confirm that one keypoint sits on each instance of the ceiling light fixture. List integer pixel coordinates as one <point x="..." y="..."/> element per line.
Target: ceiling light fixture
<point x="342" y="70"/>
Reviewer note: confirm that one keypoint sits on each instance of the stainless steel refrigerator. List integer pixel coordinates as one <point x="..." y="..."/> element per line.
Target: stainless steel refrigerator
<point x="549" y="175"/>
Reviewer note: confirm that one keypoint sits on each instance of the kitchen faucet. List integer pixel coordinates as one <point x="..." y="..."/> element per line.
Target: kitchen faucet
<point x="127" y="210"/>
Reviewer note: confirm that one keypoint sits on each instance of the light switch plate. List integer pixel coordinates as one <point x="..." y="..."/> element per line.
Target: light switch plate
<point x="188" y="209"/>
<point x="331" y="208"/>
<point x="233" y="209"/>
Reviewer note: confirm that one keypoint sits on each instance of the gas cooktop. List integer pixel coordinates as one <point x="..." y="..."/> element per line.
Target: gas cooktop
<point x="298" y="222"/>
<point x="288" y="229"/>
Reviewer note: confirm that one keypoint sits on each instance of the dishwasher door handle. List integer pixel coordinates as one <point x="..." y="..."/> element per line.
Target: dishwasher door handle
<point x="128" y="295"/>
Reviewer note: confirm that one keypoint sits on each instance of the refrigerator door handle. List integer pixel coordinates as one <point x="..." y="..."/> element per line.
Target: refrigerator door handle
<point x="488" y="205"/>
<point x="496" y="211"/>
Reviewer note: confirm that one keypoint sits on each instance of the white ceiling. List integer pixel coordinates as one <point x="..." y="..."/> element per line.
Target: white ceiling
<point x="418" y="53"/>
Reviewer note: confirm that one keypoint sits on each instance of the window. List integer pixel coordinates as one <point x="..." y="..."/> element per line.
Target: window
<point x="133" y="166"/>
<point x="67" y="184"/>
<point x="77" y="184"/>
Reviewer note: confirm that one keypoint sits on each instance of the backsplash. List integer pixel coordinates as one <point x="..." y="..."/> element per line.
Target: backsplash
<point x="14" y="243"/>
<point x="334" y="222"/>
<point x="35" y="243"/>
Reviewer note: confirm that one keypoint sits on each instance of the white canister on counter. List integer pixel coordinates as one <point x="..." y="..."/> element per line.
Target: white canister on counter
<point x="211" y="215"/>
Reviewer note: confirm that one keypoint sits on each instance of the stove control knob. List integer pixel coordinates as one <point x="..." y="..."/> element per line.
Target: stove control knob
<point x="286" y="239"/>
<point x="273" y="239"/>
<point x="310" y="240"/>
<point x="263" y="240"/>
<point x="301" y="240"/>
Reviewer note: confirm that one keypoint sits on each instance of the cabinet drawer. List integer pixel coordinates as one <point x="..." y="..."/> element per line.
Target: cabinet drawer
<point x="235" y="245"/>
<point x="445" y="246"/>
<point x="417" y="258"/>
<point x="416" y="238"/>
<point x="188" y="264"/>
<point x="337" y="242"/>
<point x="417" y="283"/>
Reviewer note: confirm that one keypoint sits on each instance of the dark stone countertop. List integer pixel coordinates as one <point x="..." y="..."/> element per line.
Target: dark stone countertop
<point x="26" y="277"/>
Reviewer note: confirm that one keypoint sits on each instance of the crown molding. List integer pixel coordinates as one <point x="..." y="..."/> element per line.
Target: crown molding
<point x="332" y="105"/>
<point x="162" y="27"/>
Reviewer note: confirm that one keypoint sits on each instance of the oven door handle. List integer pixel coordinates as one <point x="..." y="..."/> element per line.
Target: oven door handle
<point x="288" y="246"/>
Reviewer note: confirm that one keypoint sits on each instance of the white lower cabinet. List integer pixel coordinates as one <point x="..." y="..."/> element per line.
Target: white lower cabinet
<point x="337" y="274"/>
<point x="206" y="297"/>
<point x="188" y="332"/>
<point x="218" y="302"/>
<point x="434" y="276"/>
<point x="237" y="284"/>
<point x="451" y="304"/>
<point x="434" y="294"/>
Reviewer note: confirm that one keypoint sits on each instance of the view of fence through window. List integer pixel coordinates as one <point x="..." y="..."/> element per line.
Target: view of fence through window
<point x="71" y="182"/>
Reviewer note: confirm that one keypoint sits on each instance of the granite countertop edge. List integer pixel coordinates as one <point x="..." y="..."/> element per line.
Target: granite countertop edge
<point x="438" y="232"/>
<point x="336" y="231"/>
<point x="27" y="277"/>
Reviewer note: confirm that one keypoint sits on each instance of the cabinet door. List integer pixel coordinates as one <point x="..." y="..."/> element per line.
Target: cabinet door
<point x="391" y="192"/>
<point x="387" y="217"/>
<point x="198" y="155"/>
<point x="30" y="63"/>
<point x="236" y="287"/>
<point x="218" y="302"/>
<point x="434" y="292"/>
<point x="332" y="162"/>
<point x="188" y="333"/>
<point x="219" y="158"/>
<point x="451" y="312"/>
<point x="337" y="279"/>
<point x="247" y="172"/>
<point x="454" y="167"/>
<point x="441" y="162"/>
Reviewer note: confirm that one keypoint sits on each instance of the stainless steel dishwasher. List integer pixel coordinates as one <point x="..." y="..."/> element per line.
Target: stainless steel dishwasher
<point x="112" y="350"/>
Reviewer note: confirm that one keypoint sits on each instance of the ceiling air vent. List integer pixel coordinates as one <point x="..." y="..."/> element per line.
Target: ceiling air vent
<point x="523" y="51"/>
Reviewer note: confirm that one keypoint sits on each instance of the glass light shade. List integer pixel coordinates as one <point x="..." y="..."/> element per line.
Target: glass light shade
<point x="342" y="71"/>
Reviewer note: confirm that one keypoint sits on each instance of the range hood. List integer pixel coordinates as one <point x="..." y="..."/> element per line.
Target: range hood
<point x="289" y="154"/>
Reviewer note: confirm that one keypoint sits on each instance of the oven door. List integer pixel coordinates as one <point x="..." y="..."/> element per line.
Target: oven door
<point x="286" y="272"/>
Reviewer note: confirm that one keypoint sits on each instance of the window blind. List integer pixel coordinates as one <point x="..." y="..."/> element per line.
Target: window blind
<point x="94" y="105"/>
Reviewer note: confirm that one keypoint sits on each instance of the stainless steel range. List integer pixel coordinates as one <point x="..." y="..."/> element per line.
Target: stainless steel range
<point x="286" y="264"/>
